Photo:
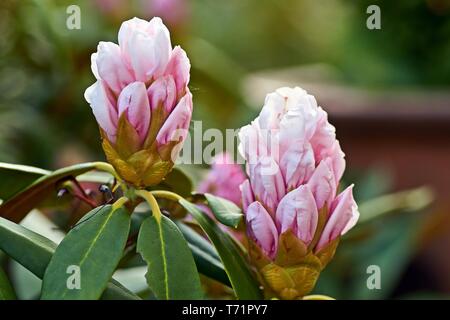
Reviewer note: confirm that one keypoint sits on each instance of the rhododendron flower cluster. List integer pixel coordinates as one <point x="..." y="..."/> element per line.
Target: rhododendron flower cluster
<point x="294" y="164"/>
<point x="141" y="100"/>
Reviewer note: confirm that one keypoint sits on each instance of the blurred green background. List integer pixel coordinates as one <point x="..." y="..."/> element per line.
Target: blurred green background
<point x="238" y="48"/>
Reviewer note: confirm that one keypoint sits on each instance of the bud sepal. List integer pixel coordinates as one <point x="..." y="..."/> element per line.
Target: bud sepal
<point x="295" y="270"/>
<point x="140" y="168"/>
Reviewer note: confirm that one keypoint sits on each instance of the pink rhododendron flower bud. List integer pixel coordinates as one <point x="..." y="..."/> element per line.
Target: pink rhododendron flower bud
<point x="141" y="100"/>
<point x="294" y="165"/>
<point x="224" y="179"/>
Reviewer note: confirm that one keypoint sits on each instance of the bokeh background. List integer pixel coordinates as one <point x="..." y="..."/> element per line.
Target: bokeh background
<point x="387" y="92"/>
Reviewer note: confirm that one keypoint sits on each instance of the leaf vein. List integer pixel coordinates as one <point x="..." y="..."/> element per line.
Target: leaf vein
<point x="88" y="251"/>
<point x="163" y="253"/>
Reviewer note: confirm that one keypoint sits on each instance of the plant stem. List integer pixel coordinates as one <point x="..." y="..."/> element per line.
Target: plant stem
<point x="119" y="203"/>
<point x="104" y="166"/>
<point x="166" y="195"/>
<point x="91" y="203"/>
<point x="148" y="196"/>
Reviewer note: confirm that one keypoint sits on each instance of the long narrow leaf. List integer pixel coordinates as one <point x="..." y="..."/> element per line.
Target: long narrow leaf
<point x="239" y="273"/>
<point x="197" y="240"/>
<point x="87" y="256"/>
<point x="206" y="258"/>
<point x="34" y="252"/>
<point x="172" y="273"/>
<point x="15" y="177"/>
<point x="403" y="201"/>
<point x="224" y="210"/>
<point x="17" y="207"/>
<point x="6" y="289"/>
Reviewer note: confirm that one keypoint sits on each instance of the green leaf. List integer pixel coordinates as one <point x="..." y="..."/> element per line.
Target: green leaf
<point x="197" y="240"/>
<point x="6" y="290"/>
<point x="177" y="181"/>
<point x="34" y="252"/>
<point x="391" y="249"/>
<point x="28" y="248"/>
<point x="209" y="266"/>
<point x="92" y="251"/>
<point x="16" y="177"/>
<point x="17" y="207"/>
<point x="388" y="242"/>
<point x="116" y="291"/>
<point x="206" y="258"/>
<point x="205" y="255"/>
<point x="244" y="284"/>
<point x="224" y="210"/>
<point x="96" y="177"/>
<point x="171" y="269"/>
<point x="403" y="201"/>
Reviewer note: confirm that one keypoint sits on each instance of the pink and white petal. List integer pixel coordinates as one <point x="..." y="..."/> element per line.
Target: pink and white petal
<point x="176" y="126"/>
<point x="99" y="99"/>
<point x="251" y="144"/>
<point x="163" y="47"/>
<point x="146" y="47"/>
<point x="323" y="184"/>
<point x="142" y="56"/>
<point x="292" y="96"/>
<point x="297" y="211"/>
<point x="162" y="92"/>
<point x="133" y="101"/>
<point x="247" y="194"/>
<point x="261" y="228"/>
<point x="111" y="66"/>
<point x="337" y="157"/>
<point x="155" y="26"/>
<point x="323" y="137"/>
<point x="297" y="164"/>
<point x="292" y="130"/>
<point x="179" y="67"/>
<point x="302" y="106"/>
<point x="272" y="112"/>
<point x="128" y="27"/>
<point x="267" y="182"/>
<point x="94" y="65"/>
<point x="272" y="178"/>
<point x="344" y="216"/>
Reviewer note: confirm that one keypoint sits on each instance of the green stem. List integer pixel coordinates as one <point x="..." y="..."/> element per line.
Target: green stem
<point x="106" y="167"/>
<point x="148" y="196"/>
<point x="166" y="195"/>
<point x="119" y="203"/>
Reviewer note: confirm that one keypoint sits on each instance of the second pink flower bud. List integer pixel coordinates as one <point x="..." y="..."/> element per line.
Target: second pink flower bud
<point x="294" y="164"/>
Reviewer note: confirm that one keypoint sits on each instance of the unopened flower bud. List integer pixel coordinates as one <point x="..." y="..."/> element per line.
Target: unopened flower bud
<point x="294" y="218"/>
<point x="141" y="100"/>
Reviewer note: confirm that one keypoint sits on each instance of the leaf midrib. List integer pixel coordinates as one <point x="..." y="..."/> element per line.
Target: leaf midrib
<point x="92" y="244"/>
<point x="235" y="260"/>
<point x="163" y="254"/>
